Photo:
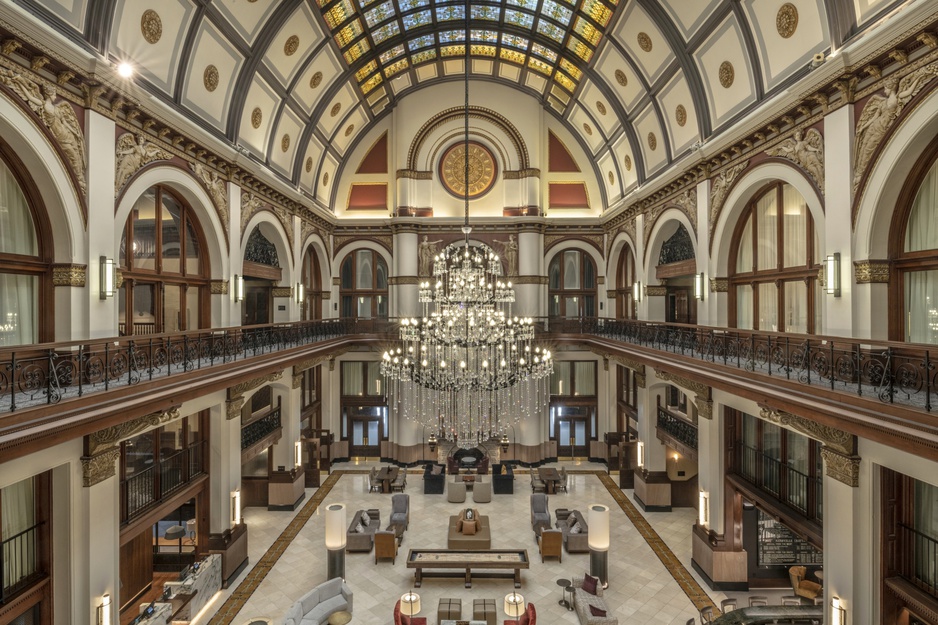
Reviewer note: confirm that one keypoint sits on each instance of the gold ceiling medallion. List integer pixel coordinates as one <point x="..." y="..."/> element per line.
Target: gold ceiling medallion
<point x="652" y="141"/>
<point x="627" y="161"/>
<point x="587" y="129"/>
<point x="349" y="130"/>
<point x="210" y="78"/>
<point x="786" y="21"/>
<point x="256" y="117"/>
<point x="600" y="107"/>
<point x="151" y="26"/>
<point x="309" y="164"/>
<point x="335" y="109"/>
<point x="291" y="46"/>
<point x="316" y="80"/>
<point x="285" y="143"/>
<point x="680" y="114"/>
<point x="612" y="179"/>
<point x="482" y="170"/>
<point x="325" y="179"/>
<point x="727" y="74"/>
<point x="644" y="42"/>
<point x="621" y="78"/>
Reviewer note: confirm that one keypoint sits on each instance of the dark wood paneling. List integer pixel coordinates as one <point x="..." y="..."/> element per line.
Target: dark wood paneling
<point x="684" y="494"/>
<point x="256" y="270"/>
<point x="136" y="566"/>
<point x="254" y="491"/>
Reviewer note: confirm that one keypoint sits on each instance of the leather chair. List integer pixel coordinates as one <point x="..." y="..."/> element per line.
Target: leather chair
<point x="385" y="546"/>
<point x="400" y="510"/>
<point x="801" y="586"/>
<point x="503" y="484"/>
<point x="539" y="511"/>
<point x="434" y="484"/>
<point x="550" y="542"/>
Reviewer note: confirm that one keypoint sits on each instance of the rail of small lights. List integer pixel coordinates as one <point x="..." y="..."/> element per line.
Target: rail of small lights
<point x="467" y="368"/>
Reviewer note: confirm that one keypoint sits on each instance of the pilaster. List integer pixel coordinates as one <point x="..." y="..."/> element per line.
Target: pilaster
<point x="838" y="181"/>
<point x="103" y="234"/>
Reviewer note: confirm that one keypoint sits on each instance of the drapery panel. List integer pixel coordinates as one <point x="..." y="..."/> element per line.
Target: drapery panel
<point x="18" y="514"/>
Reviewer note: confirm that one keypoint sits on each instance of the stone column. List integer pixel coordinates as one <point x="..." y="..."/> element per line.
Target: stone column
<point x="404" y="284"/>
<point x="530" y="286"/>
<point x="652" y="486"/>
<point x="103" y="237"/>
<point x="99" y="508"/>
<point x="838" y="181"/>
<point x="843" y="505"/>
<point x="286" y="488"/>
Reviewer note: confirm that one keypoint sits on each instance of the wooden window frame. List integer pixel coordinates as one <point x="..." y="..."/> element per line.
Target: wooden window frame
<point x="581" y="293"/>
<point x="354" y="292"/>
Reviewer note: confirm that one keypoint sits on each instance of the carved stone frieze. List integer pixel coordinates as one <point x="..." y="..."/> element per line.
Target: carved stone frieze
<point x="806" y="150"/>
<point x="310" y="363"/>
<point x="719" y="285"/>
<point x="414" y="175"/>
<point x="233" y="407"/>
<point x="243" y="387"/>
<point x="839" y="440"/>
<point x="518" y="174"/>
<point x="99" y="467"/>
<point x="656" y="291"/>
<point x="336" y="281"/>
<point x="699" y="388"/>
<point x="297" y="381"/>
<point x="529" y="280"/>
<point x="393" y="280"/>
<point x="69" y="275"/>
<point x="720" y="188"/>
<point x="217" y="190"/>
<point x="842" y="467"/>
<point x="132" y="154"/>
<point x="281" y="291"/>
<point x="112" y="435"/>
<point x="640" y="380"/>
<point x="250" y="204"/>
<point x="611" y="294"/>
<point x="218" y="287"/>
<point x="871" y="271"/>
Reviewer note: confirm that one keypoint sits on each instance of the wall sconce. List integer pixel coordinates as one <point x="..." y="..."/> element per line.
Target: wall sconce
<point x="637" y="291"/>
<point x="236" y="507"/>
<point x="238" y="288"/>
<point x="300" y="292"/>
<point x="703" y="509"/>
<point x="104" y="610"/>
<point x="838" y="612"/>
<point x="640" y="448"/>
<point x="832" y="274"/>
<point x="699" y="283"/>
<point x="108" y="277"/>
<point x="298" y="454"/>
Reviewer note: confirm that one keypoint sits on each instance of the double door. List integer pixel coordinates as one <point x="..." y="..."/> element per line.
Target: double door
<point x="573" y="429"/>
<point x="365" y="428"/>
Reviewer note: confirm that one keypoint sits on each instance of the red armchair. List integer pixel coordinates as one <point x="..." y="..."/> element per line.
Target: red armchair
<point x="529" y="612"/>
<point x="403" y="619"/>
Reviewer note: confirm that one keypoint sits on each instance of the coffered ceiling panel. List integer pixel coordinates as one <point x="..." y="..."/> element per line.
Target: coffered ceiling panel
<point x="324" y="69"/>
<point x="285" y="141"/>
<point x="727" y="73"/>
<point x="651" y="139"/>
<point x="326" y="179"/>
<point x="152" y="40"/>
<point x="690" y="16"/>
<point x="311" y="162"/>
<point x="337" y="109"/>
<point x="211" y="76"/>
<point x="680" y="115"/>
<point x="71" y="12"/>
<point x="599" y="107"/>
<point x="611" y="181"/>
<point x="587" y="129"/>
<point x="774" y="28"/>
<point x="644" y="41"/>
<point x="625" y="163"/>
<point x="292" y="45"/>
<point x="351" y="127"/>
<point x="620" y="77"/>
<point x="246" y="17"/>
<point x="260" y="106"/>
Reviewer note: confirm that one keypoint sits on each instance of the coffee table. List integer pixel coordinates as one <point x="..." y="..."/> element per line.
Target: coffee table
<point x="339" y="618"/>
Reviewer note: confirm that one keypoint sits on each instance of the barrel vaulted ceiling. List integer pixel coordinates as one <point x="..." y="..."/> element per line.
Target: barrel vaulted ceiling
<point x="298" y="83"/>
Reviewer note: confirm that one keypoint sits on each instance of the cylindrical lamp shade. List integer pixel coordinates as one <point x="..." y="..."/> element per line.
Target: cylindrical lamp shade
<point x="335" y="526"/>
<point x="514" y="604"/>
<point x="410" y="603"/>
<point x="598" y="520"/>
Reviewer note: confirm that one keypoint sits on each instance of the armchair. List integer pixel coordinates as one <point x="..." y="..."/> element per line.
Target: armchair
<point x="434" y="484"/>
<point x="549" y="542"/>
<point x="503" y="484"/>
<point x="400" y="509"/>
<point x="801" y="586"/>
<point x="482" y="467"/>
<point x="530" y="612"/>
<point x="539" y="511"/>
<point x="385" y="546"/>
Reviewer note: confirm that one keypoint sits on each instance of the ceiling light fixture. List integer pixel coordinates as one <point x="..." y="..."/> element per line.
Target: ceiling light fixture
<point x="125" y="70"/>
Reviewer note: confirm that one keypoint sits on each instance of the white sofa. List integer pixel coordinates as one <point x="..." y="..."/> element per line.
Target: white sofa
<point x="582" y="601"/>
<point x="315" y="607"/>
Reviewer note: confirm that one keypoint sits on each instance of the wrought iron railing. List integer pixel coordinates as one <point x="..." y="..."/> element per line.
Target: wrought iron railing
<point x="257" y="430"/>
<point x="142" y="490"/>
<point x="19" y="561"/>
<point x="780" y="481"/>
<point x="920" y="562"/>
<point x="680" y="429"/>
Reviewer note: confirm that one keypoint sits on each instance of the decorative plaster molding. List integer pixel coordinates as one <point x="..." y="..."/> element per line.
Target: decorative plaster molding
<point x="310" y="363"/>
<point x="297" y="380"/>
<point x="69" y="275"/>
<point x="871" y="271"/>
<point x="218" y="287"/>
<point x="611" y="294"/>
<point x="243" y="387"/>
<point x="397" y="280"/>
<point x="233" y="407"/>
<point x="702" y="390"/>
<point x="99" y="467"/>
<point x="842" y="467"/>
<point x="838" y="440"/>
<point x="414" y="175"/>
<point x="594" y="239"/>
<point x="217" y="190"/>
<point x="112" y="435"/>
<point x="386" y="240"/>
<point x="336" y="281"/>
<point x="640" y="380"/>
<point x="529" y="280"/>
<point x="133" y="153"/>
<point x="518" y="174"/>
<point x="656" y="291"/>
<point x="720" y="188"/>
<point x="806" y="150"/>
<point x="719" y="285"/>
<point x="281" y="291"/>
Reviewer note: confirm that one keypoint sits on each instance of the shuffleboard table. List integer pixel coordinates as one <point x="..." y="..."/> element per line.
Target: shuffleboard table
<point x="459" y="563"/>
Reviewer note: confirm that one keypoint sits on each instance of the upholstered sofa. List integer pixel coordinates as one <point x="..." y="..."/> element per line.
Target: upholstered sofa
<point x="457" y="539"/>
<point x="364" y="540"/>
<point x="503" y="483"/>
<point x="434" y="484"/>
<point x="316" y="606"/>
<point x="582" y="601"/>
<point x="530" y="612"/>
<point x="574" y="543"/>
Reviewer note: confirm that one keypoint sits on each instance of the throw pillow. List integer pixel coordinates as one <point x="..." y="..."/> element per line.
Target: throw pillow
<point x="469" y="528"/>
<point x="359" y="529"/>
<point x="469" y="514"/>
<point x="597" y="611"/>
<point x="589" y="584"/>
<point x="504" y="469"/>
<point x="436" y="470"/>
<point x="576" y="529"/>
<point x="366" y="519"/>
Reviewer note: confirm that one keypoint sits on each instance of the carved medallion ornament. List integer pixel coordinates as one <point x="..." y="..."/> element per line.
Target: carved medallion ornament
<point x="210" y="78"/>
<point x="612" y="179"/>
<point x="680" y="115"/>
<point x="151" y="26"/>
<point x="627" y="161"/>
<point x="727" y="74"/>
<point x="621" y="78"/>
<point x="132" y="154"/>
<point x="652" y="141"/>
<point x="285" y="143"/>
<point x="644" y="42"/>
<point x="805" y="149"/>
<point x="291" y="46"/>
<point x="309" y="164"/>
<point x="316" y="80"/>
<point x="843" y="468"/>
<point x="257" y="116"/>
<point x="600" y="107"/>
<point x="483" y="170"/>
<point x="786" y="20"/>
<point x="335" y="109"/>
<point x="349" y="130"/>
<point x="587" y="129"/>
<point x="325" y="179"/>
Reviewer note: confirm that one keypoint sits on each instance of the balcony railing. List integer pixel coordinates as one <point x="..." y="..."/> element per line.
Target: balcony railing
<point x="780" y="481"/>
<point x="142" y="489"/>
<point x="19" y="561"/>
<point x="257" y="430"/>
<point x="683" y="431"/>
<point x="920" y="564"/>
<point x="892" y="372"/>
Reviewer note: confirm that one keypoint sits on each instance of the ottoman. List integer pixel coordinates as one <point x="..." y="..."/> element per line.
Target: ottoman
<point x="449" y="610"/>
<point x="484" y="610"/>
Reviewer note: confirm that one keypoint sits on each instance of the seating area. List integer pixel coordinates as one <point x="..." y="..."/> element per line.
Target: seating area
<point x="361" y="531"/>
<point x="400" y="510"/>
<point x="803" y="587"/>
<point x="316" y="606"/>
<point x="473" y="459"/>
<point x="575" y="532"/>
<point x="588" y="602"/>
<point x="474" y="533"/>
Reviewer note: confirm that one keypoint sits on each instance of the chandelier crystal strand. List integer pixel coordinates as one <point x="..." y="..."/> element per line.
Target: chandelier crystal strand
<point x="467" y="369"/>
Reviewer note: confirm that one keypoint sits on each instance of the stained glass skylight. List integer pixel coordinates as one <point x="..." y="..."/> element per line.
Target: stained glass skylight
<point x="381" y="38"/>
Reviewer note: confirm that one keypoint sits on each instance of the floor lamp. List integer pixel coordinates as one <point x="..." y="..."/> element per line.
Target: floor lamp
<point x="598" y="540"/>
<point x="335" y="540"/>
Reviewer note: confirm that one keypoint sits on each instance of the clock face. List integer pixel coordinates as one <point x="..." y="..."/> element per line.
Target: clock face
<point x="482" y="170"/>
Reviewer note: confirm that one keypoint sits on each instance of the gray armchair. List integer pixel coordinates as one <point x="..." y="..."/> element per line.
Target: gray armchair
<point x="539" y="512"/>
<point x="400" y="509"/>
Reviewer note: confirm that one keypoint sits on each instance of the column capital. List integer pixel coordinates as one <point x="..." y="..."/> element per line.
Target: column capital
<point x="841" y="467"/>
<point x="99" y="467"/>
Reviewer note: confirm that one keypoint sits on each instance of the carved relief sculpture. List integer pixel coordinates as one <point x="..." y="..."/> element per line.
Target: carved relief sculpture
<point x="881" y="111"/>
<point x="216" y="190"/>
<point x="510" y="254"/>
<point x="425" y="254"/>
<point x="59" y="118"/>
<point x="719" y="190"/>
<point x="132" y="155"/>
<point x="807" y="150"/>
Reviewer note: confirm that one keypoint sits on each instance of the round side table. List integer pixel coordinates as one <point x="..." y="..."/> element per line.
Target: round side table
<point x="340" y="618"/>
<point x="564" y="585"/>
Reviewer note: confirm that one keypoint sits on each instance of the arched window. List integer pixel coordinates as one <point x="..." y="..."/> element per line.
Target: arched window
<point x="572" y="285"/>
<point x="25" y="288"/>
<point x="312" y="285"/>
<point x="164" y="266"/>
<point x="916" y="266"/>
<point x="773" y="274"/>
<point x="364" y="285"/>
<point x="625" y="278"/>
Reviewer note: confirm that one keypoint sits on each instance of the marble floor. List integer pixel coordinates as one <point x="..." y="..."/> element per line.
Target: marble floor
<point x="650" y="578"/>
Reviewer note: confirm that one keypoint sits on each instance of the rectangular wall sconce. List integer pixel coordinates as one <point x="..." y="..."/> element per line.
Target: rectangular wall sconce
<point x="298" y="454"/>
<point x="637" y="291"/>
<point x="699" y="284"/>
<point x="300" y="292"/>
<point x="238" y="288"/>
<point x="104" y="610"/>
<point x="640" y="452"/>
<point x="832" y="274"/>
<point x="108" y="277"/>
<point x="703" y="509"/>
<point x="838" y="612"/>
<point x="236" y="507"/>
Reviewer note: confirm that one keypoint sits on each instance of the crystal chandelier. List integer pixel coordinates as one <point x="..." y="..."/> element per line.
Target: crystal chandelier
<point x="467" y="368"/>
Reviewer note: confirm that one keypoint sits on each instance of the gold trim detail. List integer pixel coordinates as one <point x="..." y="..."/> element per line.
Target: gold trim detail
<point x="652" y="141"/>
<point x="843" y="442"/>
<point x="257" y="116"/>
<point x="281" y="291"/>
<point x="699" y="388"/>
<point x="587" y="129"/>
<point x="529" y="280"/>
<point x="403" y="280"/>
<point x="309" y="164"/>
<point x="871" y="271"/>
<point x="680" y="115"/>
<point x="315" y="80"/>
<point x="218" y="287"/>
<point x="335" y="109"/>
<point x="95" y="469"/>
<point x="116" y="433"/>
<point x="627" y="161"/>
<point x="786" y="20"/>
<point x="151" y="26"/>
<point x="621" y="78"/>
<point x="210" y="78"/>
<point x="285" y="143"/>
<point x="249" y="385"/>
<point x="656" y="291"/>
<point x="644" y="42"/>
<point x="841" y="467"/>
<point x="414" y="174"/>
<point x="69" y="275"/>
<point x="292" y="45"/>
<point x="518" y="174"/>
<point x="349" y="130"/>
<point x="719" y="285"/>
<point x="726" y="74"/>
<point x="132" y="154"/>
<point x="600" y="107"/>
<point x="233" y="407"/>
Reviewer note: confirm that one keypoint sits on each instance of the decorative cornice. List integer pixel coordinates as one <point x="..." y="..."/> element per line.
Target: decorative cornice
<point x="218" y="287"/>
<point x="701" y="390"/>
<point x="871" y="271"/>
<point x="838" y="440"/>
<point x="99" y="467"/>
<point x="297" y="381"/>
<point x="385" y="240"/>
<point x="243" y="387"/>
<point x="529" y="280"/>
<point x="233" y="407"/>
<point x="281" y="291"/>
<point x="414" y="175"/>
<point x="310" y="363"/>
<point x="612" y="293"/>
<point x="640" y="380"/>
<point x="719" y="285"/>
<point x="112" y="435"/>
<point x="393" y="280"/>
<point x="596" y="240"/>
<point x="841" y="467"/>
<point x="518" y="174"/>
<point x="656" y="291"/>
<point x="69" y="275"/>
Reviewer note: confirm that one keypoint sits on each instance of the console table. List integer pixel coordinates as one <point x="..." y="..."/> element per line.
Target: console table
<point x="462" y="563"/>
